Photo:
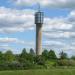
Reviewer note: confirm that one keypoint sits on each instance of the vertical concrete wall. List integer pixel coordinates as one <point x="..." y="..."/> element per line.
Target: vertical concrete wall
<point x="38" y="39"/>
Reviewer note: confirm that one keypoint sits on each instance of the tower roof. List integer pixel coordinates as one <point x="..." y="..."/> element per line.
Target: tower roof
<point x="39" y="16"/>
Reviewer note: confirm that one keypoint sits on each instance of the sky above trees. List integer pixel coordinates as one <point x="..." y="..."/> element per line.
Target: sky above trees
<point x="17" y="28"/>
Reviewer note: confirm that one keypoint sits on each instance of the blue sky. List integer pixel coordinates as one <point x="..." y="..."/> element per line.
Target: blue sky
<point x="17" y="28"/>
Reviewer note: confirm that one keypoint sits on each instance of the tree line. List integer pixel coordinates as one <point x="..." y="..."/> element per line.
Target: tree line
<point x="25" y="60"/>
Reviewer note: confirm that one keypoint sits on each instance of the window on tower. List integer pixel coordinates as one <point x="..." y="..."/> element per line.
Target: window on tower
<point x="39" y="17"/>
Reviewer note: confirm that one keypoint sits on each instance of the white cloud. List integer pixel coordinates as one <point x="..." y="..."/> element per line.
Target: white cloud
<point x="60" y="27"/>
<point x="10" y="40"/>
<point x="53" y="43"/>
<point x="58" y="45"/>
<point x="4" y="47"/>
<point x="68" y="47"/>
<point x="72" y="13"/>
<point x="56" y="23"/>
<point x="12" y="20"/>
<point x="7" y="40"/>
<point x="60" y="34"/>
<point x="71" y="17"/>
<point x="49" y="3"/>
<point x="7" y="43"/>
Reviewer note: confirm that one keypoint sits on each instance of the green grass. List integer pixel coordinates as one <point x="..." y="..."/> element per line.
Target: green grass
<point x="40" y="72"/>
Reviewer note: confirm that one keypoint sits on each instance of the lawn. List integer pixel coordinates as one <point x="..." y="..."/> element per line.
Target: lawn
<point x="40" y="72"/>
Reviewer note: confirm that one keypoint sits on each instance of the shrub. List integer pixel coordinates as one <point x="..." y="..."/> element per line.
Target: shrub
<point x="65" y="62"/>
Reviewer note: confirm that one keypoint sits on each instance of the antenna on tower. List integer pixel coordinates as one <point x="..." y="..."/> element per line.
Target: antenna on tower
<point x="39" y="7"/>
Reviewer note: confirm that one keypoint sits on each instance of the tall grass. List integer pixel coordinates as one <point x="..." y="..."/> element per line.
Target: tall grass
<point x="40" y="72"/>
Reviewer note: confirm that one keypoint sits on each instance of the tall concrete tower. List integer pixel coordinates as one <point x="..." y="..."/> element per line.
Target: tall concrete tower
<point x="39" y="22"/>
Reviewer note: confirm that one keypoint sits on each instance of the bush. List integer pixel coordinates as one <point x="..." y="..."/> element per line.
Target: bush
<point x="39" y="60"/>
<point x="65" y="62"/>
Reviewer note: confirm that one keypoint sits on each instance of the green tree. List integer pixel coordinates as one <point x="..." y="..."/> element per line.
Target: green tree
<point x="63" y="55"/>
<point x="45" y="54"/>
<point x="9" y="56"/>
<point x="24" y="53"/>
<point x="51" y="55"/>
<point x="32" y="52"/>
<point x="39" y="60"/>
<point x="73" y="57"/>
<point x="23" y="56"/>
<point x="1" y="57"/>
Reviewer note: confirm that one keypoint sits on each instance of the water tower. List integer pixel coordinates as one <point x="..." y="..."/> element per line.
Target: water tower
<point x="39" y="16"/>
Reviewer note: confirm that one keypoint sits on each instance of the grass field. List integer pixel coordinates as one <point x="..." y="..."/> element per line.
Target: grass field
<point x="40" y="72"/>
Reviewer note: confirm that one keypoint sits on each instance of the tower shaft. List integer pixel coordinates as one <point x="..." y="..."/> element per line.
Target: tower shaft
<point x="38" y="39"/>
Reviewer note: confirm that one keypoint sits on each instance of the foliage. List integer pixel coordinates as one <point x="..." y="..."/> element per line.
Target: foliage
<point x="32" y="52"/>
<point x="25" y="60"/>
<point x="39" y="60"/>
<point x="25" y="57"/>
<point x="45" y="54"/>
<point x="1" y="58"/>
<point x="65" y="62"/>
<point x="63" y="55"/>
<point x="9" y="57"/>
<point x="51" y="55"/>
<point x="73" y="57"/>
